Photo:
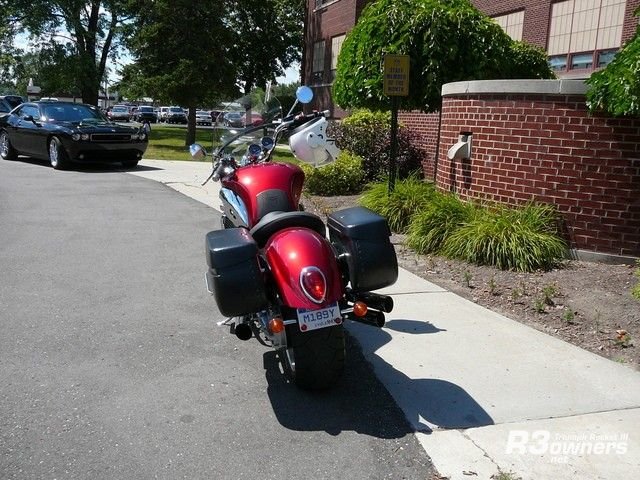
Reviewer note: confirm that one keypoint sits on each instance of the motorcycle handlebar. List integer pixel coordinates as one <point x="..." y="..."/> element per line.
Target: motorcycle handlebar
<point x="297" y="120"/>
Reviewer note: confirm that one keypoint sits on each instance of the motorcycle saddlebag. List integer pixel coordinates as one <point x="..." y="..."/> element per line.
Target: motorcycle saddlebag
<point x="234" y="276"/>
<point x="363" y="237"/>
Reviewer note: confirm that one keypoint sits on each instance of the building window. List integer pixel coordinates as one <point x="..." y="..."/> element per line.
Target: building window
<point x="336" y="46"/>
<point x="318" y="56"/>
<point x="582" y="28"/>
<point x="322" y="3"/>
<point x="582" y="60"/>
<point x="605" y="57"/>
<point x="512" y="24"/>
<point x="558" y="63"/>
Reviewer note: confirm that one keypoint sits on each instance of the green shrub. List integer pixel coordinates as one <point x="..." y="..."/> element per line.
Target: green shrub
<point x="437" y="221"/>
<point x="342" y="177"/>
<point x="523" y="239"/>
<point x="409" y="197"/>
<point x="368" y="134"/>
<point x="616" y="88"/>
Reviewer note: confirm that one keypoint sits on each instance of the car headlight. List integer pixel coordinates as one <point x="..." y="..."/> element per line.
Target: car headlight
<point x="75" y="137"/>
<point x="84" y="136"/>
<point x="142" y="136"/>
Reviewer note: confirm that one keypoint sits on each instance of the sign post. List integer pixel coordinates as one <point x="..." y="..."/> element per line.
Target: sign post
<point x="396" y="85"/>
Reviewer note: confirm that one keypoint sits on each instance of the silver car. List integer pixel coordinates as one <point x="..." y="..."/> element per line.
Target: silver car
<point x="203" y="117"/>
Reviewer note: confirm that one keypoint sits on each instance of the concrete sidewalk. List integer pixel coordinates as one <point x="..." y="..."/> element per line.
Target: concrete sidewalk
<point x="485" y="394"/>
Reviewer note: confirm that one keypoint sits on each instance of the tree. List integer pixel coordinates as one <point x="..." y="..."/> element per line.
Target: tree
<point x="182" y="55"/>
<point x="446" y="41"/>
<point x="616" y="88"/>
<point x="90" y="31"/>
<point x="286" y="95"/>
<point x="268" y="38"/>
<point x="223" y="47"/>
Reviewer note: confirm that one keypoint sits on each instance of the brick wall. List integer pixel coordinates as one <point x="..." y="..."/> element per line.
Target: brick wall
<point x="550" y="149"/>
<point x="630" y="21"/>
<point x="424" y="130"/>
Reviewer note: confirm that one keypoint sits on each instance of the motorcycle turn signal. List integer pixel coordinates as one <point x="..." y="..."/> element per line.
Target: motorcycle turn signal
<point x="360" y="309"/>
<point x="276" y="325"/>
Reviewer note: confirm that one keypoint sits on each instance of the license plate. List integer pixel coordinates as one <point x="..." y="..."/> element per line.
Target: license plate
<point x="315" y="319"/>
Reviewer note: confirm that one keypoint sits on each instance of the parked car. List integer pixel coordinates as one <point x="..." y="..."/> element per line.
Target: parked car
<point x="256" y="119"/>
<point x="145" y="113"/>
<point x="162" y="116"/>
<point x="233" y="119"/>
<point x="176" y="115"/>
<point x="203" y="117"/>
<point x="64" y="132"/>
<point x="119" y="112"/>
<point x="9" y="102"/>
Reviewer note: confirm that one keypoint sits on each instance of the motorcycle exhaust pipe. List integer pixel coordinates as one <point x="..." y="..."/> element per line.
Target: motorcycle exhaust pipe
<point x="242" y="331"/>
<point x="383" y="303"/>
<point x="372" y="318"/>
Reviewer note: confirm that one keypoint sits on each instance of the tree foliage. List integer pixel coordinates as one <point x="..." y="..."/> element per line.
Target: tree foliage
<point x="182" y="54"/>
<point x="51" y="68"/>
<point x="446" y="41"/>
<point x="616" y="88"/>
<point x="88" y="32"/>
<point x="194" y="54"/>
<point x="267" y="38"/>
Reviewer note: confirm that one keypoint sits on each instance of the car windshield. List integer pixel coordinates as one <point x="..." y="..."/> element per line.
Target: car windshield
<point x="13" y="100"/>
<point x="175" y="109"/>
<point x="145" y="109"/>
<point x="72" y="113"/>
<point x="120" y="109"/>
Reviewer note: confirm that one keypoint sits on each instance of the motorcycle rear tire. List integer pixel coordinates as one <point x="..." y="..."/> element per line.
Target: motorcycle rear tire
<point x="314" y="360"/>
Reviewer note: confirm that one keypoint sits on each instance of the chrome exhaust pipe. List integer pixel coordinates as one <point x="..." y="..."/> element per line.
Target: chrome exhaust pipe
<point x="242" y="331"/>
<point x="377" y="301"/>
<point x="372" y="318"/>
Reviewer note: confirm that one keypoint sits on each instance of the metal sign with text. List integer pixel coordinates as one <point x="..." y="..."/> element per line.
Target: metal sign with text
<point x="396" y="75"/>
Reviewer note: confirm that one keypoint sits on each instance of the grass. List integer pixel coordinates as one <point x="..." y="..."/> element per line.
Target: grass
<point x="167" y="143"/>
<point x="409" y="197"/>
<point x="437" y="221"/>
<point x="522" y="238"/>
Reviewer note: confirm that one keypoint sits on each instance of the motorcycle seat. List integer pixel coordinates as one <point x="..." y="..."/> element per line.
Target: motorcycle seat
<point x="275" y="221"/>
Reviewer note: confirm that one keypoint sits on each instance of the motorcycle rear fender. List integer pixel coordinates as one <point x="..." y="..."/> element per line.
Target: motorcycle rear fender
<point x="288" y="252"/>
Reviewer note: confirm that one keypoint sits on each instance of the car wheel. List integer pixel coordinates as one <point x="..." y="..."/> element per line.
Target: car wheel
<point x="57" y="155"/>
<point x="7" y="151"/>
<point x="130" y="163"/>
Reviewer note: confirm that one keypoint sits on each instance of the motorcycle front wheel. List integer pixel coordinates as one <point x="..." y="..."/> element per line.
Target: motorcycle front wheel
<point x="314" y="360"/>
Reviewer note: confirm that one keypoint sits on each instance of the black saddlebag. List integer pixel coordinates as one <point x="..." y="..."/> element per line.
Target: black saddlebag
<point x="234" y="276"/>
<point x="362" y="236"/>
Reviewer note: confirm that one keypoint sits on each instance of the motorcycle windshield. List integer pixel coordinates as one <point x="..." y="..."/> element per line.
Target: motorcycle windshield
<point x="245" y="122"/>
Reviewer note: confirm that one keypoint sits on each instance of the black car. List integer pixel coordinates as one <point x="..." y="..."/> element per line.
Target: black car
<point x="64" y="132"/>
<point x="9" y="102"/>
<point x="145" y="114"/>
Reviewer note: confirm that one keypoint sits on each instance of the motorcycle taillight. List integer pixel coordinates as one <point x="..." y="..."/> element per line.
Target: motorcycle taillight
<point x="313" y="283"/>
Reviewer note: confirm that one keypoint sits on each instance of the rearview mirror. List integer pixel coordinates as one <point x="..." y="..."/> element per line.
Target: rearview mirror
<point x="197" y="151"/>
<point x="304" y="94"/>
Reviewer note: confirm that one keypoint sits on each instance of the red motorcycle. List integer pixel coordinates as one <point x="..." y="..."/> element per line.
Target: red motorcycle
<point x="277" y="271"/>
